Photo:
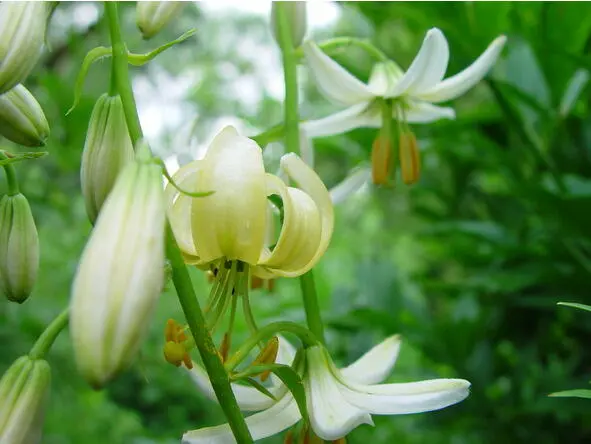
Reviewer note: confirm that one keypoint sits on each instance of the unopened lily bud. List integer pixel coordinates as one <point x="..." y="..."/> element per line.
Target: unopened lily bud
<point x="24" y="389"/>
<point x="120" y="274"/>
<point x="22" y="34"/>
<point x="381" y="154"/>
<point x="151" y="17"/>
<point x="21" y="118"/>
<point x="296" y="14"/>
<point x="19" y="248"/>
<point x="107" y="150"/>
<point x="410" y="162"/>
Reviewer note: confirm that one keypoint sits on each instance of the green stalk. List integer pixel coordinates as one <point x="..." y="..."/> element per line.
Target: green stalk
<point x="11" y="179"/>
<point x="180" y="276"/>
<point x="292" y="143"/>
<point x="209" y="354"/>
<point x="308" y="339"/>
<point x="340" y="43"/>
<point x="47" y="338"/>
<point x="121" y="72"/>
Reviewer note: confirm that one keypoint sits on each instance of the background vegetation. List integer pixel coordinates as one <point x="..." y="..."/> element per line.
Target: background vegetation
<point x="467" y="265"/>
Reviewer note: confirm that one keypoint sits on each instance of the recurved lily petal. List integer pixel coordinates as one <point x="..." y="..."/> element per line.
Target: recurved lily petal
<point x="423" y="112"/>
<point x="350" y="185"/>
<point x="332" y="416"/>
<point x="428" y="67"/>
<point x="309" y="182"/>
<point x="376" y="364"/>
<point x="279" y="417"/>
<point x="234" y="216"/>
<point x="179" y="208"/>
<point x="405" y="398"/>
<point x="460" y="83"/>
<point x="361" y="115"/>
<point x="334" y="81"/>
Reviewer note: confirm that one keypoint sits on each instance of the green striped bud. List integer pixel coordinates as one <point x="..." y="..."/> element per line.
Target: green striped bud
<point x="22" y="34"/>
<point x="151" y="17"/>
<point x="22" y="119"/>
<point x="120" y="275"/>
<point x="19" y="248"/>
<point x="296" y="14"/>
<point x="107" y="150"/>
<point x="24" y="390"/>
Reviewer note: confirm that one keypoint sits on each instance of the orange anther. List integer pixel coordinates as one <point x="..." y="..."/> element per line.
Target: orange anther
<point x="410" y="161"/>
<point x="381" y="154"/>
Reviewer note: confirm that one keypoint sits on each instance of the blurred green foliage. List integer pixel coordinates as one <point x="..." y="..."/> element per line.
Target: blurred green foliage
<point x="467" y="265"/>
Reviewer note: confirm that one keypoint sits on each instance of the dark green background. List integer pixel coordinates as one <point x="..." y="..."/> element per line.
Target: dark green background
<point x="467" y="265"/>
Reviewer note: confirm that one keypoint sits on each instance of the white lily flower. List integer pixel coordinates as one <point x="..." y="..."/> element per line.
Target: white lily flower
<point x="414" y="91"/>
<point x="338" y="400"/>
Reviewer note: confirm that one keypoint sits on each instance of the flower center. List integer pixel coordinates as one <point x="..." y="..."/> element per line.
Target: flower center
<point x="177" y="346"/>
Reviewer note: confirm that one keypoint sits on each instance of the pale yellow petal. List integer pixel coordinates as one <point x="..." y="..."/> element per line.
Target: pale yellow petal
<point x="231" y="222"/>
<point x="300" y="234"/>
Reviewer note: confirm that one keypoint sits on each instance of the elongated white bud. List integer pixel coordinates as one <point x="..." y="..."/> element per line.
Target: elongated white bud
<point x="107" y="150"/>
<point x="19" y="248"/>
<point x="151" y="17"/>
<point x="22" y="34"/>
<point x="120" y="275"/>
<point x="21" y="118"/>
<point x="24" y="389"/>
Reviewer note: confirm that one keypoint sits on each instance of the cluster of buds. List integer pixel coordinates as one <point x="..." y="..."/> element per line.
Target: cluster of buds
<point x="19" y="248"/>
<point x="24" y="389"/>
<point x="23" y="27"/>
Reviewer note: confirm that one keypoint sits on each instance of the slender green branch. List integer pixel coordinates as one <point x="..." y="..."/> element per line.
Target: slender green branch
<point x="211" y="359"/>
<point x="47" y="338"/>
<point x="311" y="305"/>
<point x="11" y="179"/>
<point x="180" y="276"/>
<point x="121" y="72"/>
<point x="292" y="143"/>
<point x="290" y="77"/>
<point x="308" y="338"/>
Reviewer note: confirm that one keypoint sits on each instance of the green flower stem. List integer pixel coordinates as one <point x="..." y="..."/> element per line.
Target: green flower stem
<point x="121" y="72"/>
<point x="311" y="306"/>
<point x="209" y="354"/>
<point x="340" y="43"/>
<point x="47" y="338"/>
<point x="11" y="179"/>
<point x="292" y="143"/>
<point x="308" y="338"/>
<point x="180" y="276"/>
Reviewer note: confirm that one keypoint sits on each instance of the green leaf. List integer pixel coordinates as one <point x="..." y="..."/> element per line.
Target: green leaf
<point x="22" y="156"/>
<point x="142" y="59"/>
<point x="577" y="393"/>
<point x="92" y="56"/>
<point x="575" y="87"/>
<point x="288" y="376"/>
<point x="575" y="305"/>
<point x="260" y="387"/>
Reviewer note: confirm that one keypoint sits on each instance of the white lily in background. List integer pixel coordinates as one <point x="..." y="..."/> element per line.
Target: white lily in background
<point x="415" y="91"/>
<point x="338" y="400"/>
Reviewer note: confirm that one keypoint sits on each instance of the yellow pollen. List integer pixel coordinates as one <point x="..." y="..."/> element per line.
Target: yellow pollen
<point x="381" y="154"/>
<point x="175" y="348"/>
<point x="410" y="162"/>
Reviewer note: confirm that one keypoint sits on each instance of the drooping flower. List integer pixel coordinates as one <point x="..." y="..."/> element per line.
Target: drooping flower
<point x="120" y="274"/>
<point x="19" y="248"/>
<point x="23" y="395"/>
<point x="151" y="17"/>
<point x="338" y="400"/>
<point x="22" y="26"/>
<point x="21" y="118"/>
<point x="410" y="96"/>
<point x="226" y="231"/>
<point x="107" y="150"/>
